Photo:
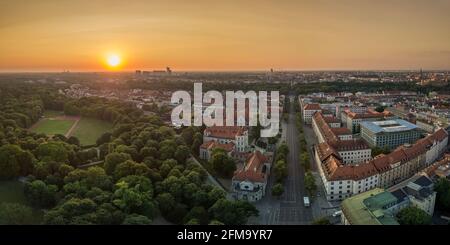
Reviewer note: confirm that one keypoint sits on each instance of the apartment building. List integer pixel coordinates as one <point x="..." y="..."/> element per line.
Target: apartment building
<point x="308" y="111"/>
<point x="342" y="179"/>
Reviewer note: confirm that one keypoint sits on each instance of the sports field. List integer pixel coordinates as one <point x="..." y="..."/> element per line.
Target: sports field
<point x="54" y="122"/>
<point x="87" y="130"/>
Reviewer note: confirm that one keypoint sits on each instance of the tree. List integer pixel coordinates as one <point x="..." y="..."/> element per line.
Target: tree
<point x="134" y="194"/>
<point x="72" y="211"/>
<point x="182" y="153"/>
<point x="442" y="189"/>
<point x="215" y="222"/>
<point x="277" y="190"/>
<point x="413" y="216"/>
<point x="199" y="214"/>
<point x="378" y="150"/>
<point x="166" y="152"/>
<point x="380" y="108"/>
<point x="193" y="222"/>
<point x="310" y="183"/>
<point x="15" y="162"/>
<point x="149" y="152"/>
<point x="322" y="221"/>
<point x="232" y="212"/>
<point x="283" y="149"/>
<point x="166" y="203"/>
<point x="305" y="160"/>
<point x="104" y="138"/>
<point x="130" y="150"/>
<point x="222" y="163"/>
<point x="188" y="135"/>
<point x="130" y="167"/>
<point x="53" y="151"/>
<point x="114" y="159"/>
<point x="280" y="170"/>
<point x="15" y="214"/>
<point x="73" y="141"/>
<point x="40" y="194"/>
<point x="136" y="219"/>
<point x="96" y="177"/>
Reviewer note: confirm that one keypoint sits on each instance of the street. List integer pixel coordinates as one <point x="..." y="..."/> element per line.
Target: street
<point x="289" y="208"/>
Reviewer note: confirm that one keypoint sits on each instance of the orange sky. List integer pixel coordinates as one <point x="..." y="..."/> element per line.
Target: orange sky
<point x="225" y="35"/>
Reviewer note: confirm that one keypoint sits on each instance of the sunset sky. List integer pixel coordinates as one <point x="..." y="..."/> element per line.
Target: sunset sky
<point x="224" y="35"/>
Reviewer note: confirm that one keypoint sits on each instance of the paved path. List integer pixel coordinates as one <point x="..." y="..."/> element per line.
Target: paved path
<point x="74" y="126"/>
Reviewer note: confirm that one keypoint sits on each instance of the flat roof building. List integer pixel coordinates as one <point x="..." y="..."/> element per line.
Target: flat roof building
<point x="390" y="133"/>
<point x="369" y="208"/>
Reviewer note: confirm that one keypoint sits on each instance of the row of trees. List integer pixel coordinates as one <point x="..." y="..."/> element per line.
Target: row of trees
<point x="305" y="162"/>
<point x="280" y="169"/>
<point x="303" y="148"/>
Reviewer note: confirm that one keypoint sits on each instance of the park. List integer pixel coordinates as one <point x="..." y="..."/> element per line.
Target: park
<point x="87" y="130"/>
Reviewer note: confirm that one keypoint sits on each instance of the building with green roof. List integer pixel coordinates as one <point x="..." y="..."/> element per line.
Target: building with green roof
<point x="374" y="207"/>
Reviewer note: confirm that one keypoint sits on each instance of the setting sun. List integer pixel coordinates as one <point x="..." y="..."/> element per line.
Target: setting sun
<point x="113" y="60"/>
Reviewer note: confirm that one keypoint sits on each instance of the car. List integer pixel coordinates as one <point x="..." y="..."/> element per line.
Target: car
<point x="337" y="213"/>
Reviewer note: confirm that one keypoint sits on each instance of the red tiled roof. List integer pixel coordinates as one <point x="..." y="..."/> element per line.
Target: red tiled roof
<point x="324" y="128"/>
<point x="331" y="120"/>
<point x="325" y="150"/>
<point x="312" y="107"/>
<point x="224" y="132"/>
<point x="253" y="169"/>
<point x="341" y="131"/>
<point x="334" y="169"/>
<point x="350" y="145"/>
<point x="213" y="144"/>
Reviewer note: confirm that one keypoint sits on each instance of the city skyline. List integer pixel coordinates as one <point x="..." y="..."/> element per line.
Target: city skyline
<point x="51" y="36"/>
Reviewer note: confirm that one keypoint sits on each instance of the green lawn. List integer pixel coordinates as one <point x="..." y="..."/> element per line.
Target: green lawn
<point x="53" y="126"/>
<point x="89" y="130"/>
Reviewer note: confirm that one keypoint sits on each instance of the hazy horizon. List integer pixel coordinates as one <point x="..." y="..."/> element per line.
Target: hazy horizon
<point x="322" y="35"/>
